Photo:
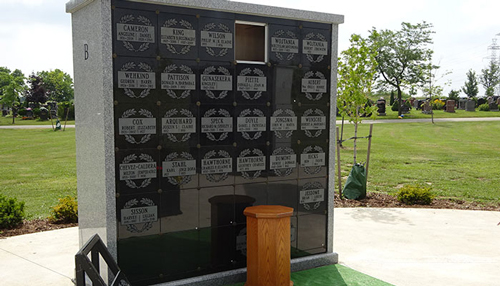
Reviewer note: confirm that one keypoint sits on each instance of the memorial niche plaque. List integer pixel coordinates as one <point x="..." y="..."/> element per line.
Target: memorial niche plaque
<point x="179" y="168"/>
<point x="135" y="33"/>
<point x="138" y="215"/>
<point x="135" y="79"/>
<point x="282" y="163"/>
<point x="178" y="124"/>
<point x="284" y="44"/>
<point x="252" y="84"/>
<point x="313" y="122"/>
<point x="178" y="37"/>
<point x="312" y="195"/>
<point x="216" y="84"/>
<point x="178" y="81"/>
<point x="216" y="166"/>
<point x="137" y="171"/>
<point x="283" y="122"/>
<point x="251" y="165"/>
<point x="314" y="85"/>
<point x="312" y="160"/>
<point x="216" y="39"/>
<point x="217" y="125"/>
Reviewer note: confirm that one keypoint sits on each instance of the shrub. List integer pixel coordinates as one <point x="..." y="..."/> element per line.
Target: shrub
<point x="60" y="111"/>
<point x="484" y="107"/>
<point x="22" y="111"/>
<point x="395" y="106"/>
<point x="411" y="195"/>
<point x="66" y="211"/>
<point x="438" y="104"/>
<point x="36" y="112"/>
<point x="11" y="212"/>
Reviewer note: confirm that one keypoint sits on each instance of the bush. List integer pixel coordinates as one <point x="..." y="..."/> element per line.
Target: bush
<point x="438" y="104"/>
<point x="60" y="111"/>
<point x="66" y="211"/>
<point x="395" y="106"/>
<point x="11" y="212"/>
<point x="484" y="107"/>
<point x="415" y="195"/>
<point x="36" y="112"/>
<point x="22" y="111"/>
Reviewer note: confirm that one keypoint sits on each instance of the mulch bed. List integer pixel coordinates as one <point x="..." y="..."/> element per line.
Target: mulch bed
<point x="372" y="200"/>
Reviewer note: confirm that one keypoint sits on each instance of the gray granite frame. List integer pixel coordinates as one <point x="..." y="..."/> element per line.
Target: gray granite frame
<point x="92" y="58"/>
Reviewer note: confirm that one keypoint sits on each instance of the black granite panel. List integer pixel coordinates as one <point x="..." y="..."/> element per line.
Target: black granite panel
<point x="135" y="80"/>
<point x="311" y="234"/>
<point x="253" y="84"/>
<point x="180" y="167"/>
<point x="284" y="193"/>
<point x="251" y="124"/>
<point x="283" y="162"/>
<point x="181" y="253"/>
<point x="135" y="33"/>
<point x="136" y="125"/>
<point x="179" y="210"/>
<point x="216" y="166"/>
<point x="256" y="193"/>
<point x="178" y="35"/>
<point x="286" y="86"/>
<point x="283" y="123"/>
<point x="315" y="86"/>
<point x="138" y="215"/>
<point x="178" y="125"/>
<point x="313" y="196"/>
<point x="216" y="83"/>
<point x="178" y="82"/>
<point x="316" y="46"/>
<point x="216" y="125"/>
<point x="216" y="39"/>
<point x="314" y="124"/>
<point x="252" y="163"/>
<point x="137" y="171"/>
<point x="313" y="160"/>
<point x="216" y="206"/>
<point x="293" y="234"/>
<point x="284" y="45"/>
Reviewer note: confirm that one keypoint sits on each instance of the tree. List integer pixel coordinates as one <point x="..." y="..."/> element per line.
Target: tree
<point x="36" y="93"/>
<point x="490" y="78"/>
<point x="470" y="88"/>
<point x="357" y="67"/>
<point x="402" y="55"/>
<point x="58" y="84"/>
<point x="12" y="86"/>
<point x="454" y="95"/>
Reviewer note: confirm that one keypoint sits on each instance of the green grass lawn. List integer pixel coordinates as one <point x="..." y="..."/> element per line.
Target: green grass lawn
<point x="457" y="159"/>
<point x="417" y="114"/>
<point x="19" y="121"/>
<point x="37" y="166"/>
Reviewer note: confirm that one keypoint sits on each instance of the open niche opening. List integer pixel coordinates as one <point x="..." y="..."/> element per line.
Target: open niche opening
<point x="251" y="41"/>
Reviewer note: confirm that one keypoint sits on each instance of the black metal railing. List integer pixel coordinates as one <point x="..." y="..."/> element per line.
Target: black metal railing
<point x="90" y="268"/>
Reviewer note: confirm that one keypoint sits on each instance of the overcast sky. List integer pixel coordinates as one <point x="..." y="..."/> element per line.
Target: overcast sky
<point x="35" y="35"/>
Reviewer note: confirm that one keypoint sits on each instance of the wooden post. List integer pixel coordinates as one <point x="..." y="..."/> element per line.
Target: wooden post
<point x="268" y="245"/>
<point x="368" y="153"/>
<point x="338" y="165"/>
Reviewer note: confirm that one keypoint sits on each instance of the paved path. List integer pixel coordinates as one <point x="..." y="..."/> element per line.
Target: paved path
<point x="32" y="126"/>
<point x="404" y="247"/>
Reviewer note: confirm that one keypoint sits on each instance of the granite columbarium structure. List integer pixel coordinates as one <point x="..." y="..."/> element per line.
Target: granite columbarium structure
<point x="190" y="111"/>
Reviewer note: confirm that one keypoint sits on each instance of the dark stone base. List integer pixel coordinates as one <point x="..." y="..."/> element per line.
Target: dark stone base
<point x="240" y="275"/>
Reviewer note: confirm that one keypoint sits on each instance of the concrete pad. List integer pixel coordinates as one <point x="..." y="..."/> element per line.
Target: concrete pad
<point x="45" y="258"/>
<point x="420" y="246"/>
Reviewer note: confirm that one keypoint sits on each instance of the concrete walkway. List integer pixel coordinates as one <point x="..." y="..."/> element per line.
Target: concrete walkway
<point x="407" y="247"/>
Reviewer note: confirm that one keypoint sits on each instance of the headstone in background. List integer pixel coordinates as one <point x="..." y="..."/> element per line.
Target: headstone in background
<point x="450" y="106"/>
<point x="462" y="103"/>
<point x="426" y="107"/>
<point x="470" y="105"/>
<point x="381" y="106"/>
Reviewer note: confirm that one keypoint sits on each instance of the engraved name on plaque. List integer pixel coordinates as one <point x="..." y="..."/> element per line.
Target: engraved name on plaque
<point x="129" y="125"/>
<point x="178" y="35"/>
<point x="315" y="47"/>
<point x="131" y="171"/>
<point x="216" y="121"/>
<point x="178" y="124"/>
<point x="178" y="168"/>
<point x="180" y="78"/>
<point x="136" y="76"/>
<point x="282" y="161"/>
<point x="251" y="160"/>
<point x="283" y="123"/>
<point x="251" y="121"/>
<point x="216" y="165"/>
<point x="313" y="122"/>
<point x="312" y="195"/>
<point x="221" y="81"/>
<point x="217" y="39"/>
<point x="314" y="84"/>
<point x="136" y="212"/>
<point x="284" y="42"/>
<point x="251" y="81"/>
<point x="136" y="32"/>
<point x="312" y="159"/>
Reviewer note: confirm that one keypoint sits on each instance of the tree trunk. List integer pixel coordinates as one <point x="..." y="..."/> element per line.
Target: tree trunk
<point x="400" y="101"/>
<point x="355" y="139"/>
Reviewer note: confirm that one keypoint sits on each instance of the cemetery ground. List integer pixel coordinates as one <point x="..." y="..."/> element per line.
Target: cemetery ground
<point x="459" y="160"/>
